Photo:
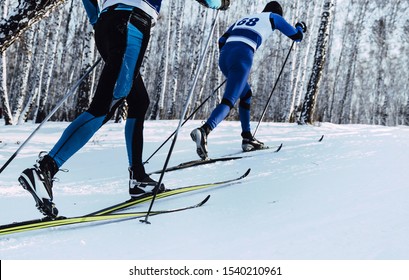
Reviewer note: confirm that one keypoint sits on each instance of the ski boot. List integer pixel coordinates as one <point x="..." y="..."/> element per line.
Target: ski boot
<point x="249" y="143"/>
<point x="143" y="187"/>
<point x="199" y="136"/>
<point x="38" y="181"/>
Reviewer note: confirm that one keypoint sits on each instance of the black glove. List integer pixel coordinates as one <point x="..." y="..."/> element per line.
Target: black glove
<point x="302" y="25"/>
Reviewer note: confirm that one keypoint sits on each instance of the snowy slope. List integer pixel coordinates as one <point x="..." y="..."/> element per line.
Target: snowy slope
<point x="345" y="198"/>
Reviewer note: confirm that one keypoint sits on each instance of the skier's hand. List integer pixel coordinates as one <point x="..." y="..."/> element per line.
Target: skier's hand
<point x="211" y="4"/>
<point x="301" y="26"/>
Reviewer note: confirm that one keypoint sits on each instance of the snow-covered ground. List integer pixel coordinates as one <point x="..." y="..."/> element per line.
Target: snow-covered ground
<point x="344" y="198"/>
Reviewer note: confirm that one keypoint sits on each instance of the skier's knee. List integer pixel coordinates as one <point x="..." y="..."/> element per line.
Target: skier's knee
<point x="227" y="102"/>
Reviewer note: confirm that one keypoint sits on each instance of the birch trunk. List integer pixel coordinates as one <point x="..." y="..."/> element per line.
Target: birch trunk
<point x="86" y="89"/>
<point x="5" y="105"/>
<point x="161" y="83"/>
<point x="42" y="57"/>
<point x="48" y="71"/>
<point x="176" y="47"/>
<point x="21" y="111"/>
<point x="307" y="112"/>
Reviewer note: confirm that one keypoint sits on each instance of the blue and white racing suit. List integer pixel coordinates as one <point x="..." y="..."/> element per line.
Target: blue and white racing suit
<point x="237" y="47"/>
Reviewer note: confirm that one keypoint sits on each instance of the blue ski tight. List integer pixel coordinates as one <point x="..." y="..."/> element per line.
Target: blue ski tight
<point x="236" y="59"/>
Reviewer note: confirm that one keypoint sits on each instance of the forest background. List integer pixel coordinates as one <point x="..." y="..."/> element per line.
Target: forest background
<point x="352" y="66"/>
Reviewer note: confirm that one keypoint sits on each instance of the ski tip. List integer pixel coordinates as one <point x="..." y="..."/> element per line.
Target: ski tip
<point x="279" y="148"/>
<point x="203" y="201"/>
<point x="322" y="137"/>
<point x="247" y="172"/>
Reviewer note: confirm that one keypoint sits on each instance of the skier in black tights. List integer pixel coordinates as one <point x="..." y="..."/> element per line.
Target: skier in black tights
<point x="122" y="32"/>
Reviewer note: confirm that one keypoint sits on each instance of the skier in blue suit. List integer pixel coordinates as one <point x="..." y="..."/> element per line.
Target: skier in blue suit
<point x="122" y="32"/>
<point x="237" y="47"/>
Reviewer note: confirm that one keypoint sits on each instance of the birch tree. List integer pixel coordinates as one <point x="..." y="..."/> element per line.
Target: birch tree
<point x="21" y="109"/>
<point x="86" y="88"/>
<point x="23" y="16"/>
<point x="5" y="105"/>
<point x="48" y="71"/>
<point x="161" y="79"/>
<point x="406" y="66"/>
<point x="299" y="71"/>
<point x="345" y="104"/>
<point x="176" y="46"/>
<point x="307" y="111"/>
<point x="195" y="51"/>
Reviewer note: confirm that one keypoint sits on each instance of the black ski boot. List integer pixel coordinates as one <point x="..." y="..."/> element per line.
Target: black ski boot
<point x="38" y="181"/>
<point x="139" y="187"/>
<point x="250" y="143"/>
<point x="199" y="136"/>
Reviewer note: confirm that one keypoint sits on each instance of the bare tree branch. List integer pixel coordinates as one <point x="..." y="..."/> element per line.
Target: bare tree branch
<point x="25" y="15"/>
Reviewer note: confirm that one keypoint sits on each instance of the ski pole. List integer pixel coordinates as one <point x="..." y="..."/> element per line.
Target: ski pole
<point x="188" y="118"/>
<point x="271" y="94"/>
<point x="70" y="92"/>
<point x="181" y="119"/>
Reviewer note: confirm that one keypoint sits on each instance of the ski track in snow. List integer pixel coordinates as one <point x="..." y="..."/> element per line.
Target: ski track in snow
<point x="343" y="198"/>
